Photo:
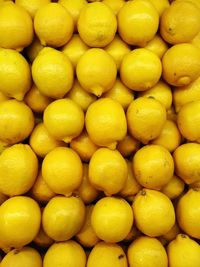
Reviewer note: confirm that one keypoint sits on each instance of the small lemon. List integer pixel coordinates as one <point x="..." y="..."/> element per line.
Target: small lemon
<point x="20" y="219"/>
<point x="3" y="97"/>
<point x="16" y="26"/>
<point x="86" y="236"/>
<point x="138" y="22"/>
<point x="96" y="71"/>
<point x="16" y="121"/>
<point x="112" y="219"/>
<point x="105" y="122"/>
<point x="108" y="171"/>
<point x="42" y="239"/>
<point x="154" y="212"/>
<point x="33" y="49"/>
<point x="62" y="170"/>
<point x="63" y="254"/>
<point x="174" y="28"/>
<point x="183" y="252"/>
<point x="173" y="232"/>
<point x="160" y="5"/>
<point x="174" y="187"/>
<point x="128" y="145"/>
<point x="157" y="45"/>
<point x="64" y="119"/>
<point x="117" y="49"/>
<point x="140" y="69"/>
<point x="53" y="25"/>
<point x="97" y="25"/>
<point x="120" y="93"/>
<point x="114" y="5"/>
<point x="184" y="154"/>
<point x="14" y="66"/>
<point x="146" y="118"/>
<point x="147" y="251"/>
<point x="32" y="6"/>
<point x="106" y="255"/>
<point x="52" y="73"/>
<point x="181" y="64"/>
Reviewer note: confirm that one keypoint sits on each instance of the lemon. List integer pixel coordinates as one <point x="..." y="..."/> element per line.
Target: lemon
<point x="171" y="114"/>
<point x="62" y="170"/>
<point x="86" y="191"/>
<point x="14" y="66"/>
<point x="174" y="187"/>
<point x="42" y="239"/>
<point x="53" y="25"/>
<point x="108" y="171"/>
<point x="154" y="212"/>
<point x="52" y="73"/>
<point x="190" y="152"/>
<point x="16" y="26"/>
<point x="140" y="69"/>
<point x="96" y="71"/>
<point x="106" y="255"/>
<point x="20" y="219"/>
<point x="74" y="49"/>
<point x="184" y="252"/>
<point x="138" y="22"/>
<point x="146" y="118"/>
<point x="42" y="142"/>
<point x="117" y="49"/>
<point x="174" y="28"/>
<point x="157" y="45"/>
<point x="114" y="5"/>
<point x="160" y="5"/>
<point x="112" y="219"/>
<point x="16" y="121"/>
<point x="105" y="122"/>
<point x="62" y="254"/>
<point x="86" y="236"/>
<point x="32" y="6"/>
<point x="64" y="119"/>
<point x="120" y="93"/>
<point x="196" y="40"/>
<point x="40" y="191"/>
<point x="147" y="251"/>
<point x="3" y="97"/>
<point x="172" y="234"/>
<point x="181" y="64"/>
<point x="128" y="145"/>
<point x="33" y="49"/>
<point x="97" y="25"/>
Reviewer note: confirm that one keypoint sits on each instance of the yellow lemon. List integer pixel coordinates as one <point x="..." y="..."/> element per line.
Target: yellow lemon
<point x="3" y="97"/>
<point x="42" y="142"/>
<point x="183" y="251"/>
<point x="138" y="22"/>
<point x="96" y="71"/>
<point x="128" y="145"/>
<point x="112" y="219"/>
<point x="32" y="6"/>
<point x="62" y="170"/>
<point x="140" y="69"/>
<point x="42" y="239"/>
<point x="114" y="5"/>
<point x="171" y="114"/>
<point x="86" y="236"/>
<point x="157" y="45"/>
<point x="62" y="254"/>
<point x="64" y="119"/>
<point x="194" y="2"/>
<point x="188" y="213"/>
<point x="52" y="73"/>
<point x="174" y="28"/>
<point x="153" y="166"/>
<point x="174" y="187"/>
<point x="81" y="96"/>
<point x="184" y="154"/>
<point x="74" y="49"/>
<point x="63" y="217"/>
<point x="18" y="169"/>
<point x="120" y="93"/>
<point x="154" y="213"/>
<point x="160" y="5"/>
<point x="33" y="49"/>
<point x="16" y="121"/>
<point x="16" y="26"/>
<point x="181" y="64"/>
<point x="20" y="219"/>
<point x="108" y="171"/>
<point x="14" y="66"/>
<point x="24" y="257"/>
<point x="97" y="25"/>
<point x="105" y="122"/>
<point x="173" y="232"/>
<point x="53" y="25"/>
<point x="117" y="49"/>
<point x="146" y="118"/>
<point x="106" y="255"/>
<point x="147" y="251"/>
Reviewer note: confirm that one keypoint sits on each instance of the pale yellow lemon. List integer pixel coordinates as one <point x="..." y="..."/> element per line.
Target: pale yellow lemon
<point x="34" y="48"/>
<point x="32" y="6"/>
<point x="128" y="145"/>
<point x="140" y="69"/>
<point x="96" y="71"/>
<point x="16" y="121"/>
<point x="160" y="5"/>
<point x="115" y="5"/>
<point x="174" y="187"/>
<point x="112" y="219"/>
<point x="52" y="73"/>
<point x="97" y="25"/>
<point x="157" y="45"/>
